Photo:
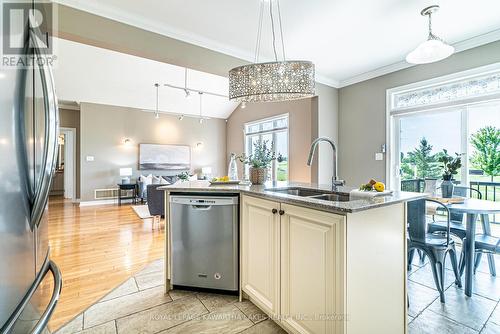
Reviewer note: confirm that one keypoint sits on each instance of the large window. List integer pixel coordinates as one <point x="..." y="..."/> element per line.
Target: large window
<point x="445" y="114"/>
<point x="275" y="131"/>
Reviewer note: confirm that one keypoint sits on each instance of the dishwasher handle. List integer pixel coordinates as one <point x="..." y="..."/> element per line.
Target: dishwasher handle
<point x="201" y="207"/>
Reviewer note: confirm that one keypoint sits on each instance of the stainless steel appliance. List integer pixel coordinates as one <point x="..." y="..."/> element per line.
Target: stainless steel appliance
<point x="28" y="139"/>
<point x="205" y="241"/>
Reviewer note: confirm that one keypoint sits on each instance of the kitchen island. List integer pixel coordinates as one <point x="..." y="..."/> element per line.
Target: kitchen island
<point x="317" y="260"/>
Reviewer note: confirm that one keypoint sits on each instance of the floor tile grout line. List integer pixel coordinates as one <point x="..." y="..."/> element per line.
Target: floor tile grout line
<point x="134" y="313"/>
<point x="198" y="317"/>
<point x="489" y="317"/>
<point x="454" y="321"/>
<point x="170" y="301"/>
<point x="100" y="300"/>
<point x="183" y="322"/>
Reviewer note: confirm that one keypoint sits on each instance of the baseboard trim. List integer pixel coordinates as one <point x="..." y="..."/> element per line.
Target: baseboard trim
<point x="99" y="202"/>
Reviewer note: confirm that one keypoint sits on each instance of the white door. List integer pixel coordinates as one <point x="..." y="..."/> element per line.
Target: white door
<point x="69" y="162"/>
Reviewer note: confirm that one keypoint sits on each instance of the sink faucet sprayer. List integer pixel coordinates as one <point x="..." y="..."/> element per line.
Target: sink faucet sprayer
<point x="335" y="181"/>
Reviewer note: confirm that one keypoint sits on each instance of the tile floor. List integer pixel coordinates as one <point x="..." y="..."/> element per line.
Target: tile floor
<point x="460" y="314"/>
<point x="139" y="306"/>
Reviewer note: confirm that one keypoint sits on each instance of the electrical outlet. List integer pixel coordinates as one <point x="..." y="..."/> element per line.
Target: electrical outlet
<point x="379" y="156"/>
<point x="89" y="158"/>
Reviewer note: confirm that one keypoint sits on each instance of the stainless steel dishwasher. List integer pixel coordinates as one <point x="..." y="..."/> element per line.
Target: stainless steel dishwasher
<point x="204" y="241"/>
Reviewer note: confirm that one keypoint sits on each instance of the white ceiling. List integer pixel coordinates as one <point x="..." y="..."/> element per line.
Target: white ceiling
<point x="85" y="73"/>
<point x="348" y="40"/>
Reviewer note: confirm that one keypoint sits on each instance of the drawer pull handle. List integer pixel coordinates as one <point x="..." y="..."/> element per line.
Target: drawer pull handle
<point x="274" y="211"/>
<point x="282" y="212"/>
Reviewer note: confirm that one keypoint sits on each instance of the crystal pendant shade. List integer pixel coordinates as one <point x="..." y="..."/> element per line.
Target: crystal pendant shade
<point x="272" y="81"/>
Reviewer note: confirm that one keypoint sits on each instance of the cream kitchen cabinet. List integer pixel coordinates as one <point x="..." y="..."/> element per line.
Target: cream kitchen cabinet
<point x="260" y="252"/>
<point x="320" y="272"/>
<point x="292" y="264"/>
<point x="312" y="270"/>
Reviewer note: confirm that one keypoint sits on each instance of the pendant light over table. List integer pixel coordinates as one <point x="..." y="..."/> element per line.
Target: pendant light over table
<point x="434" y="48"/>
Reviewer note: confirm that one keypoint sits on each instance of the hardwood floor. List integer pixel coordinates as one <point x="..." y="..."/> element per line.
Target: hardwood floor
<point x="96" y="248"/>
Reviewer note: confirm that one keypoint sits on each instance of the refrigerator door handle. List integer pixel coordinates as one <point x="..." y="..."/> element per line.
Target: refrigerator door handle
<point x="51" y="133"/>
<point x="56" y="293"/>
<point x="42" y="323"/>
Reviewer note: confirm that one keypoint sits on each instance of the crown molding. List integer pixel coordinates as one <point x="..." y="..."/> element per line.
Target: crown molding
<point x="467" y="44"/>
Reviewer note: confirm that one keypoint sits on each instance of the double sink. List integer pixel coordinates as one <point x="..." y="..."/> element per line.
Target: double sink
<point x="312" y="193"/>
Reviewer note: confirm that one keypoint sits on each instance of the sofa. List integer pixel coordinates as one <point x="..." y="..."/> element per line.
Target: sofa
<point x="144" y="181"/>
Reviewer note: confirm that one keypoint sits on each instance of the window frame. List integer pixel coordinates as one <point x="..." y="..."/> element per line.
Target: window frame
<point x="394" y="114"/>
<point x="274" y="131"/>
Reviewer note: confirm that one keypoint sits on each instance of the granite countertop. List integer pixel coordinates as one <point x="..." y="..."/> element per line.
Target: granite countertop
<point x="351" y="206"/>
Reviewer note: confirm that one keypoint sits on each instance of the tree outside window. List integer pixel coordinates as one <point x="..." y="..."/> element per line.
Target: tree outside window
<point x="486" y="155"/>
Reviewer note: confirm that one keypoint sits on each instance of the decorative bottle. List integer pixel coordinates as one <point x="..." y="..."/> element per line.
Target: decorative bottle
<point x="233" y="168"/>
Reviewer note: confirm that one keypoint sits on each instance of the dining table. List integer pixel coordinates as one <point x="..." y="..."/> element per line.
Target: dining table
<point x="473" y="208"/>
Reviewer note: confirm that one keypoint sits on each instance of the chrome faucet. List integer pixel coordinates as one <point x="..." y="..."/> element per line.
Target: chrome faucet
<point x="335" y="181"/>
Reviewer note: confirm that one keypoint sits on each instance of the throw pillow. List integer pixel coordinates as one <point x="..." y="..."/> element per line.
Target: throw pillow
<point x="147" y="180"/>
<point x="157" y="179"/>
<point x="164" y="181"/>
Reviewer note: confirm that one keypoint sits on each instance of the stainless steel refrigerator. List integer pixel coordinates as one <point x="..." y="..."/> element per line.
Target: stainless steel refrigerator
<point x="28" y="143"/>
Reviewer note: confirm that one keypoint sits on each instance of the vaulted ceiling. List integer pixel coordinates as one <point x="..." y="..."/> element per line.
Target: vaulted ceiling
<point x="85" y="73"/>
<point x="348" y="40"/>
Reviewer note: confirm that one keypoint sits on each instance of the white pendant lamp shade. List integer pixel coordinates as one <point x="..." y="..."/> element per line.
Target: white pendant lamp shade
<point x="434" y="48"/>
<point x="430" y="51"/>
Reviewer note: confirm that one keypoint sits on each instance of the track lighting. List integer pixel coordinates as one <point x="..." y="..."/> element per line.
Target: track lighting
<point x="157" y="114"/>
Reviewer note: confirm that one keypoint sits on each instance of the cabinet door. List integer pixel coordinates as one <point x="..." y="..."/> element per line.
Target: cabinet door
<point x="312" y="270"/>
<point x="260" y="237"/>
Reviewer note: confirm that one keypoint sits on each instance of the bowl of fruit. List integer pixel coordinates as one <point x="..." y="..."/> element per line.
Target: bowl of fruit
<point x="371" y="189"/>
<point x="223" y="180"/>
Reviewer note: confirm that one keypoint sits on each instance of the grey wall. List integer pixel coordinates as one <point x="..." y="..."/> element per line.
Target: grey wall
<point x="71" y="119"/>
<point x="103" y="129"/>
<point x="327" y="121"/>
<point x="302" y="129"/>
<point x="94" y="30"/>
<point x="362" y="117"/>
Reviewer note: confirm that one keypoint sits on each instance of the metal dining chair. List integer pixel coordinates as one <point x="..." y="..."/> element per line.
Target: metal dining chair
<point x="457" y="227"/>
<point x="485" y="244"/>
<point x="434" y="246"/>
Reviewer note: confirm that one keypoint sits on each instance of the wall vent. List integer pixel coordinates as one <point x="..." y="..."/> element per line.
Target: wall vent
<point x="106" y="193"/>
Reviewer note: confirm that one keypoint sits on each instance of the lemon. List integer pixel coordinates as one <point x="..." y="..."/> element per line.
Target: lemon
<point x="379" y="186"/>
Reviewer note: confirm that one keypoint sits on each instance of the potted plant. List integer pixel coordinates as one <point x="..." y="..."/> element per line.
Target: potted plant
<point x="451" y="165"/>
<point x="259" y="161"/>
<point x="184" y="176"/>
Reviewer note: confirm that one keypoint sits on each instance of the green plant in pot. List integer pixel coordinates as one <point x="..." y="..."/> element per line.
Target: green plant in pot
<point x="451" y="166"/>
<point x="260" y="160"/>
